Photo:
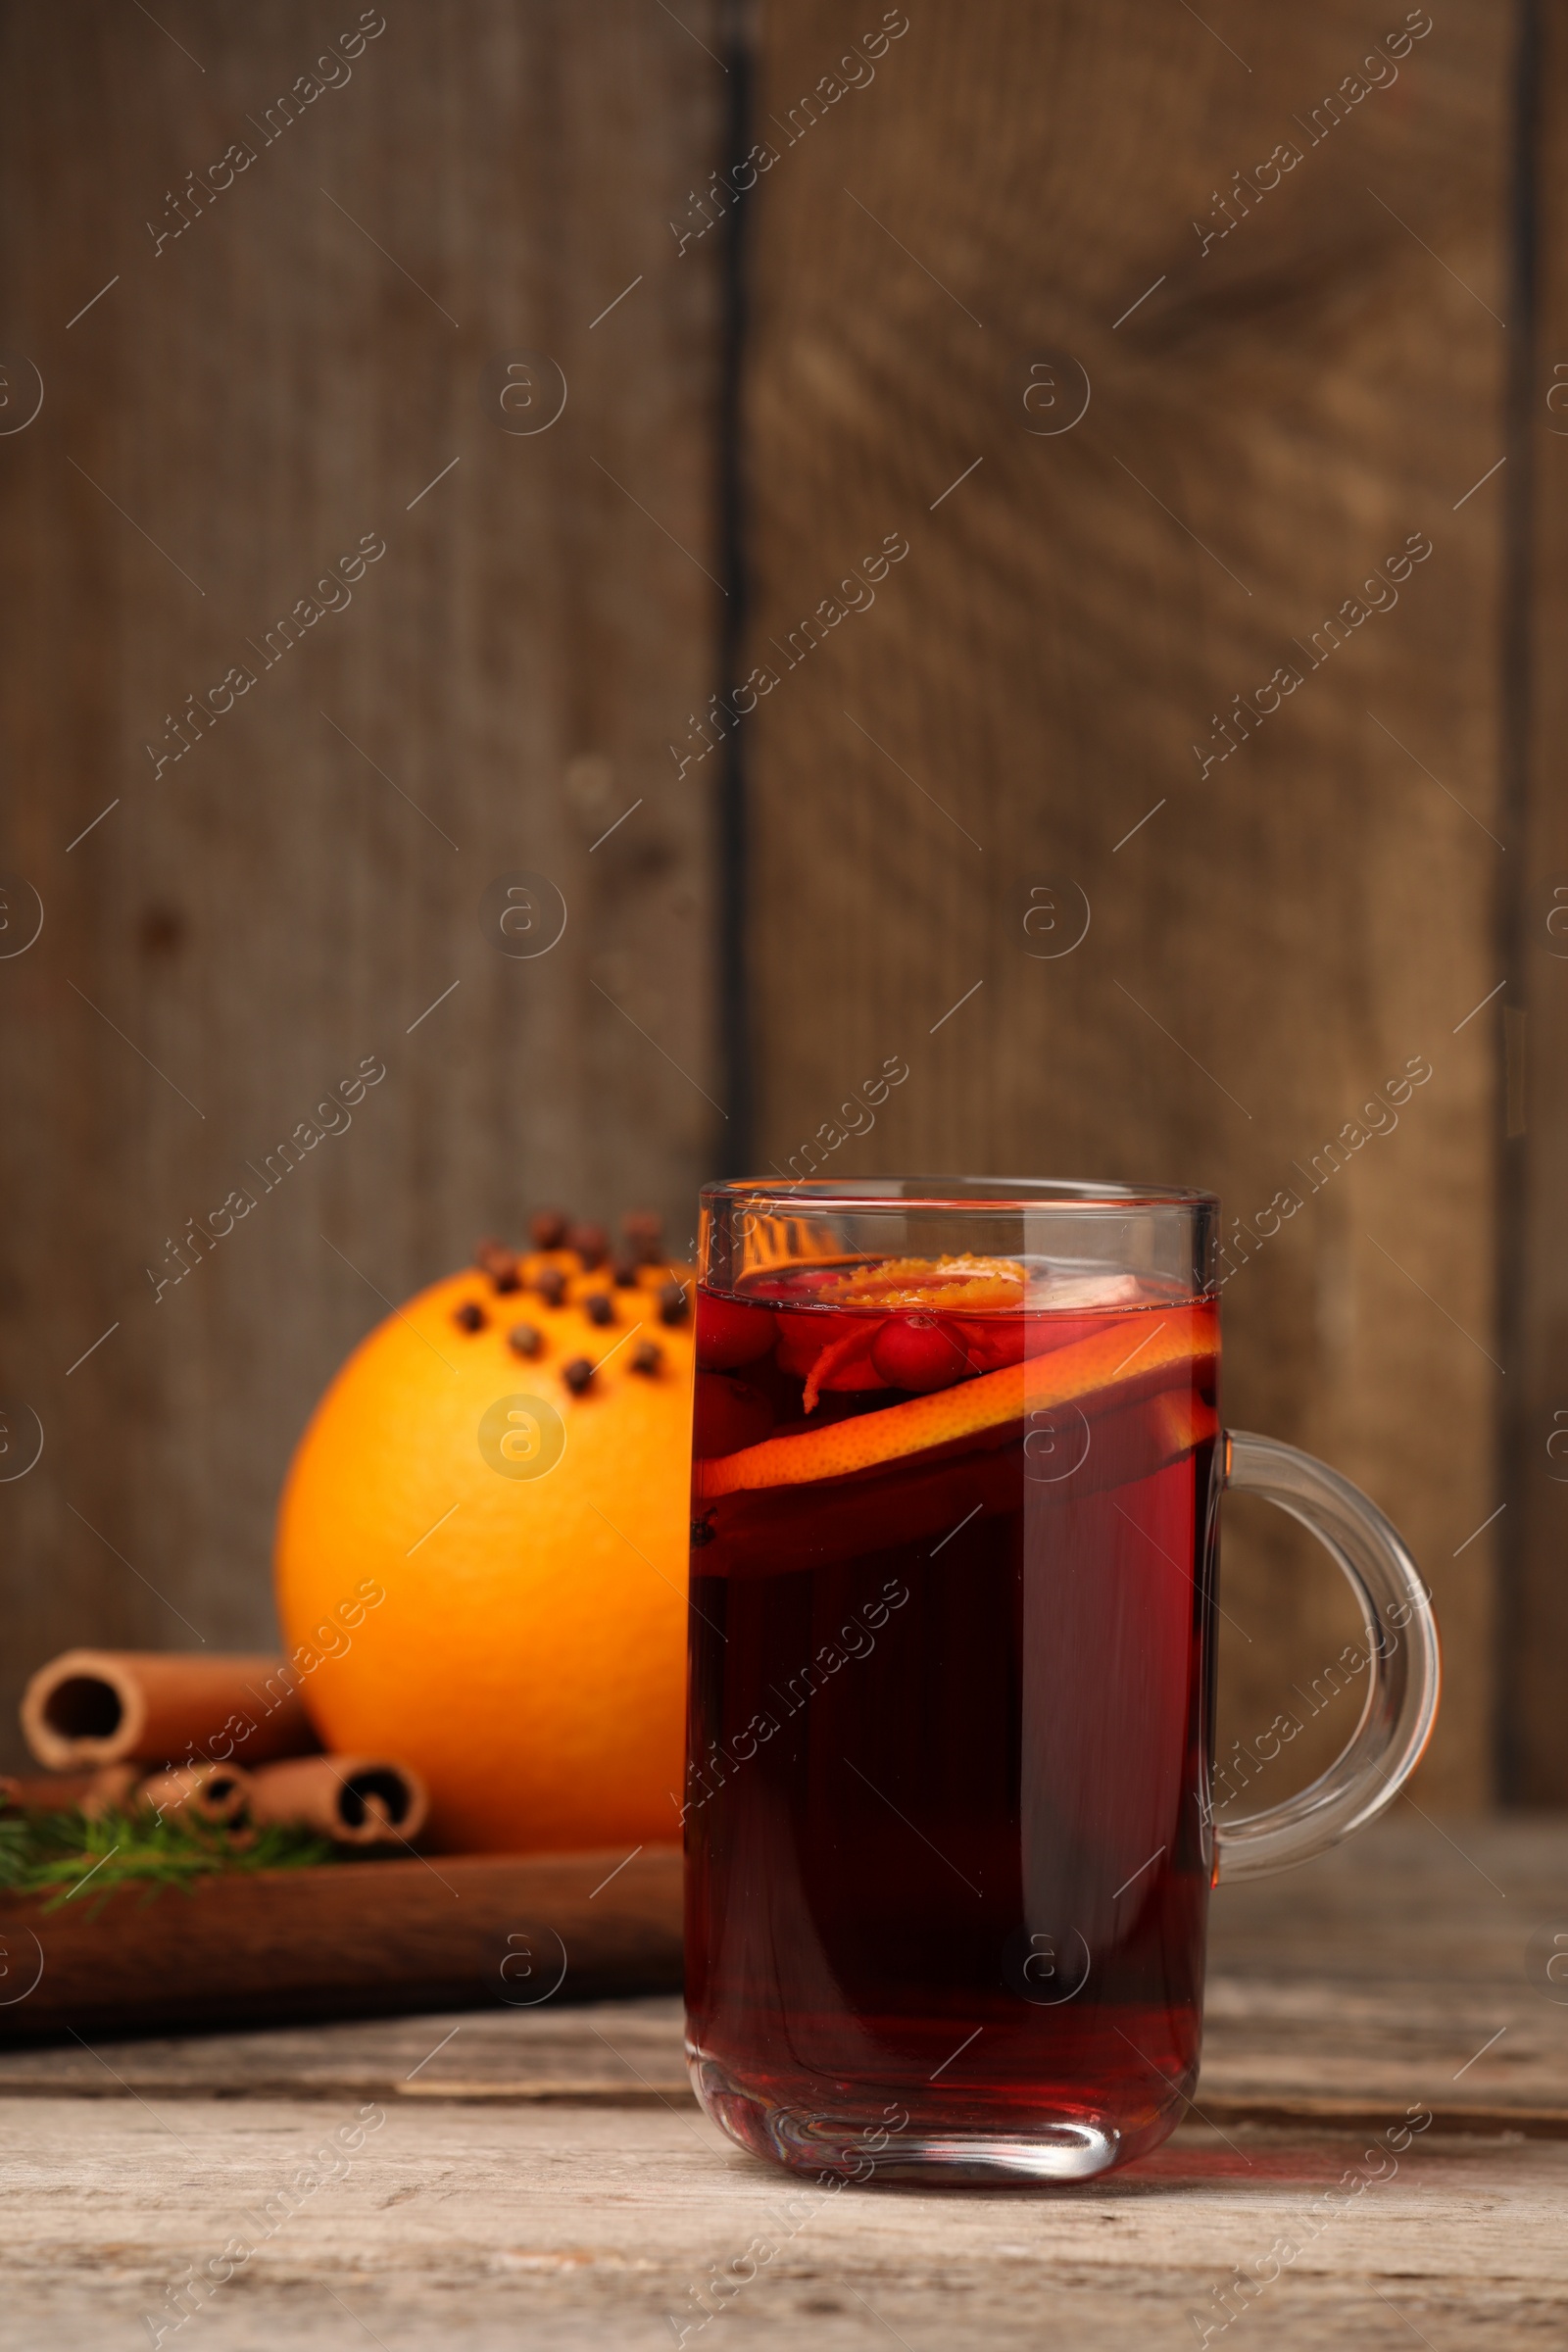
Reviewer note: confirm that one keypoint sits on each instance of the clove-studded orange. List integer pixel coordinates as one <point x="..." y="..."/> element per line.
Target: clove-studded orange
<point x="505" y="1460"/>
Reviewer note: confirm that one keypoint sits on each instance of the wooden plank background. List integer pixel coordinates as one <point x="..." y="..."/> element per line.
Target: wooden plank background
<point x="1533" y="1723"/>
<point x="291" y="372"/>
<point x="967" y="218"/>
<point x="1276" y="933"/>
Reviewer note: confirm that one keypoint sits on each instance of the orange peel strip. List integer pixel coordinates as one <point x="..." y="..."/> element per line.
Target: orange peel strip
<point x="1178" y="1337"/>
<point x="955" y="1284"/>
<point x="854" y="1345"/>
<point x="1183" y="1420"/>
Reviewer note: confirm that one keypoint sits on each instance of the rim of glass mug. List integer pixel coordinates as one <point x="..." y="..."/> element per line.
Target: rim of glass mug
<point x="1000" y="1193"/>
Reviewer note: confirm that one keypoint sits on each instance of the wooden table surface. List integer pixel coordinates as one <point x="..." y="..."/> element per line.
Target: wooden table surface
<point x="542" y="2178"/>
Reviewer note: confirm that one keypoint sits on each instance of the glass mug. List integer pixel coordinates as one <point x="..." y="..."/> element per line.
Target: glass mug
<point x="958" y="1461"/>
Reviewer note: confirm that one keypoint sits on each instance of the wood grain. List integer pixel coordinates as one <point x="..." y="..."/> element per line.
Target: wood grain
<point x="1367" y="1980"/>
<point x="624" y="2052"/>
<point x="1533" y="1725"/>
<point x="565" y="2226"/>
<point x="546" y="2172"/>
<point x="1271" y="938"/>
<point x="1274" y="936"/>
<point x="294" y="892"/>
<point x="342" y="1939"/>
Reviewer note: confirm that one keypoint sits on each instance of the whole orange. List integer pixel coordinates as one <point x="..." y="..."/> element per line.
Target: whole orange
<point x="481" y="1549"/>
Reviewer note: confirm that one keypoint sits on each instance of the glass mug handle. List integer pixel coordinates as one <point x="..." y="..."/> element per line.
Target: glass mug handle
<point x="1403" y="1672"/>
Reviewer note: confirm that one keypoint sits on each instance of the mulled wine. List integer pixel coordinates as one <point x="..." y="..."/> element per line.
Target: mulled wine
<point x="949" y="1857"/>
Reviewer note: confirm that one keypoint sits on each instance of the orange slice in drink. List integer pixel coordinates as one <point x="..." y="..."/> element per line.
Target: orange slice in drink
<point x="1135" y="1353"/>
<point x="925" y="1498"/>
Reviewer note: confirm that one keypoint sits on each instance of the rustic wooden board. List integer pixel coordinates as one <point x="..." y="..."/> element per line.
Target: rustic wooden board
<point x="574" y="2228"/>
<point x="296" y="892"/>
<point x="1374" y="1976"/>
<point x="1270" y="417"/>
<point x="344" y="1941"/>
<point x="485" y="2191"/>
<point x="1291" y="2052"/>
<point x="1533" y="1725"/>
<point x="621" y="2053"/>
<point x="1410" y="1901"/>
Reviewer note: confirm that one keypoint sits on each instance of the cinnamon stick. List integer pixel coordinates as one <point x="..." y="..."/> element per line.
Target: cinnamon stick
<point x="213" y="1793"/>
<point x="356" y="1800"/>
<point x="108" y="1706"/>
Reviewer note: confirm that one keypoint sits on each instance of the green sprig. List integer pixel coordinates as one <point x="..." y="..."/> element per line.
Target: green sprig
<point x="59" y="1853"/>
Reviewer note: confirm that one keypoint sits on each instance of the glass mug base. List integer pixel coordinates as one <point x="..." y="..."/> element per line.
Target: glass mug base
<point x="891" y="2133"/>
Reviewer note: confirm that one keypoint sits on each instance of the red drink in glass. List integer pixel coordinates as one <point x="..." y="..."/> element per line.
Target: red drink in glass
<point x="950" y="1589"/>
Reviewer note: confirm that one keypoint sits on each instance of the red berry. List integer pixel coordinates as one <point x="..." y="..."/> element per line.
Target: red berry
<point x="728" y="1334"/>
<point x="992" y="1342"/>
<point x="917" y="1351"/>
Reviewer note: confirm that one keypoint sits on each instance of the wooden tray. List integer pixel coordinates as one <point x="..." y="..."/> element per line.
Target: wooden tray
<point x="345" y="1939"/>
